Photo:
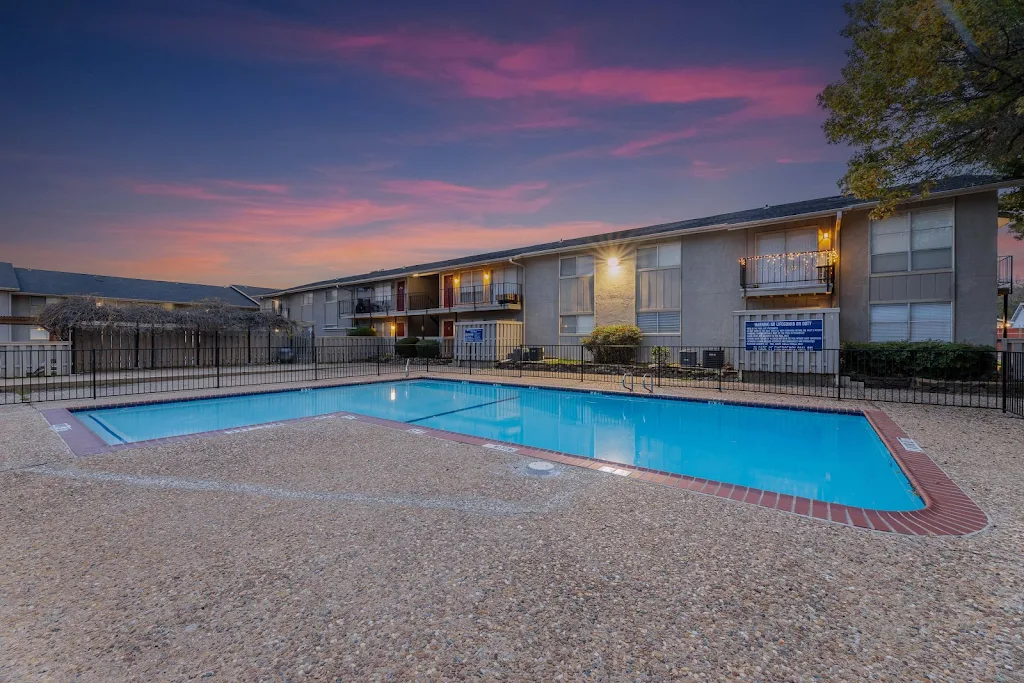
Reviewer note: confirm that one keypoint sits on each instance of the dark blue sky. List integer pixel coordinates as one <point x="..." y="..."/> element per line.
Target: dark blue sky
<point x="278" y="143"/>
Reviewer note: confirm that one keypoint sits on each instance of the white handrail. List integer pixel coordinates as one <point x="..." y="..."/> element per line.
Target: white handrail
<point x="632" y="381"/>
<point x="643" y="383"/>
<point x="407" y="361"/>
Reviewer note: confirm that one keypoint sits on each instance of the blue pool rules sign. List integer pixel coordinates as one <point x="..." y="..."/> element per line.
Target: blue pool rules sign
<point x="784" y="335"/>
<point x="473" y="335"/>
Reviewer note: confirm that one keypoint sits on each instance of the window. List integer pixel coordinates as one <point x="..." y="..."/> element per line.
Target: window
<point x="36" y="304"/>
<point x="576" y="295"/>
<point x="912" y="322"/>
<point x="307" y="299"/>
<point x="576" y="324"/>
<point x="658" y="322"/>
<point x="914" y="240"/>
<point x="657" y="289"/>
<point x="38" y="334"/>
<point x="331" y="295"/>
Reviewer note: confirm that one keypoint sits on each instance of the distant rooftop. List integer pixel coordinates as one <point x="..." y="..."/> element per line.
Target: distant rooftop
<point x="59" y="283"/>
<point x="767" y="213"/>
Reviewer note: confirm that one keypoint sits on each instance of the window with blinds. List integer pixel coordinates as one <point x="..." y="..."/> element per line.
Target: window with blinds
<point x="913" y="240"/>
<point x="576" y="295"/>
<point x="658" y="278"/>
<point x="912" y="322"/>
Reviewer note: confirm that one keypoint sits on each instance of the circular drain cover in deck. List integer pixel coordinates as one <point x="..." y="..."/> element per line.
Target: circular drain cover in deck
<point x="540" y="467"/>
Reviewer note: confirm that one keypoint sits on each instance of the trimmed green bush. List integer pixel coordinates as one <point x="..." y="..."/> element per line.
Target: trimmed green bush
<point x="613" y="343"/>
<point x="428" y="348"/>
<point x="661" y="355"/>
<point x="362" y="332"/>
<point x="406" y="347"/>
<point x="924" y="360"/>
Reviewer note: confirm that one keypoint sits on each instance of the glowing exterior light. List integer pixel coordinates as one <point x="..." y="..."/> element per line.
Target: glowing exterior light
<point x="613" y="262"/>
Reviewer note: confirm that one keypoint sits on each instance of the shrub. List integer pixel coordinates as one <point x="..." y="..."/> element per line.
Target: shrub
<point x="362" y="332"/>
<point x="613" y="343"/>
<point x="660" y="355"/>
<point x="406" y="347"/>
<point x="428" y="348"/>
<point x="924" y="360"/>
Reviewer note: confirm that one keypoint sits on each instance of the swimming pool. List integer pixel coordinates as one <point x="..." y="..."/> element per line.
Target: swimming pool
<point x="832" y="457"/>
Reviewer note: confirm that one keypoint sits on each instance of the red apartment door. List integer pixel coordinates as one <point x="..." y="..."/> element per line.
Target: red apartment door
<point x="401" y="295"/>
<point x="400" y="330"/>
<point x="449" y="293"/>
<point x="449" y="328"/>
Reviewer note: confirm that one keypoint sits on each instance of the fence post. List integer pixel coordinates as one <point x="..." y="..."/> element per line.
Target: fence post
<point x="658" y="367"/>
<point x="312" y="341"/>
<point x="1005" y="358"/>
<point x="582" y="361"/>
<point x="721" y="368"/>
<point x="839" y="376"/>
<point x="522" y="359"/>
<point x="92" y="362"/>
<point x="469" y="352"/>
<point x="216" y="354"/>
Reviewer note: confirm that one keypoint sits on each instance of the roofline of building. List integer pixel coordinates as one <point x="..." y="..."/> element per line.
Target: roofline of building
<point x="255" y="301"/>
<point x="529" y="252"/>
<point x="134" y="301"/>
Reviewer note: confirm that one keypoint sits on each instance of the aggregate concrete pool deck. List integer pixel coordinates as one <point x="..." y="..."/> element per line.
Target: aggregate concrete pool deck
<point x="341" y="550"/>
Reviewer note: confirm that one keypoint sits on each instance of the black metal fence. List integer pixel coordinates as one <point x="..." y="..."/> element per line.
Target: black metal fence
<point x="987" y="379"/>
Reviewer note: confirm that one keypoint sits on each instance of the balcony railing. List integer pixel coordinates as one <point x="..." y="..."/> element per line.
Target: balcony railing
<point x="1004" y="274"/>
<point x="806" y="269"/>
<point x="379" y="304"/>
<point x="476" y="296"/>
<point x="498" y="294"/>
<point x="421" y="301"/>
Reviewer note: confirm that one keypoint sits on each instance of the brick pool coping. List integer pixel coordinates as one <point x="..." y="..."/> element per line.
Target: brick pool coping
<point x="948" y="510"/>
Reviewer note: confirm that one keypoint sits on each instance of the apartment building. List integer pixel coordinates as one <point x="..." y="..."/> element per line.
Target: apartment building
<point x="24" y="292"/>
<point x="928" y="271"/>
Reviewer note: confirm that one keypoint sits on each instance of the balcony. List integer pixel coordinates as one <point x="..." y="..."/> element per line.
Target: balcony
<point x="477" y="297"/>
<point x="1004" y="274"/>
<point x="421" y="301"/>
<point x="383" y="305"/>
<point x="504" y="295"/>
<point x="807" y="272"/>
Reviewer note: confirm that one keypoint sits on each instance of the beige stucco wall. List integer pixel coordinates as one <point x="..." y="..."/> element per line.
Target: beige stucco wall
<point x="974" y="255"/>
<point x="711" y="287"/>
<point x="615" y="288"/>
<point x="540" y="299"/>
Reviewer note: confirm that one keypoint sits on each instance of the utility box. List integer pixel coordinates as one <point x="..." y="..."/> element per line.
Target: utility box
<point x="487" y="340"/>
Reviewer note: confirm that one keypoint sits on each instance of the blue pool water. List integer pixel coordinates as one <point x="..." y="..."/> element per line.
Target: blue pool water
<point x="825" y="456"/>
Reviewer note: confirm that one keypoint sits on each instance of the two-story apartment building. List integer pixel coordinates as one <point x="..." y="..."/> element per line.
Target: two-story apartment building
<point x="928" y="271"/>
<point x="24" y="292"/>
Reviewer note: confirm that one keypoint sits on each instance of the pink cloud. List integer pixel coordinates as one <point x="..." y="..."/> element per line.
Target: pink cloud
<point x="254" y="187"/>
<point x="641" y="146"/>
<point x="483" y="68"/>
<point x="1008" y="245"/>
<point x="179" y="190"/>
<point x="519" y="198"/>
<point x="707" y="170"/>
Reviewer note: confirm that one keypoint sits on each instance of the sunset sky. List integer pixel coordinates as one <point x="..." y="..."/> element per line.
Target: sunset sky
<point x="280" y="143"/>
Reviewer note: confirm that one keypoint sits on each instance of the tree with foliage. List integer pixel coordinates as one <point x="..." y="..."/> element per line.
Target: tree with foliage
<point x="208" y="315"/>
<point x="931" y="88"/>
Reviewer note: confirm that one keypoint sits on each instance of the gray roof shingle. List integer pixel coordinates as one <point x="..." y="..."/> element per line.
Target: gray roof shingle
<point x="794" y="209"/>
<point x="8" y="278"/>
<point x="58" y="283"/>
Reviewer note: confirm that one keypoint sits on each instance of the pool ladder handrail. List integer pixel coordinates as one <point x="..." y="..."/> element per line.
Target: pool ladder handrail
<point x="407" y="361"/>
<point x="632" y="381"/>
<point x="643" y="383"/>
